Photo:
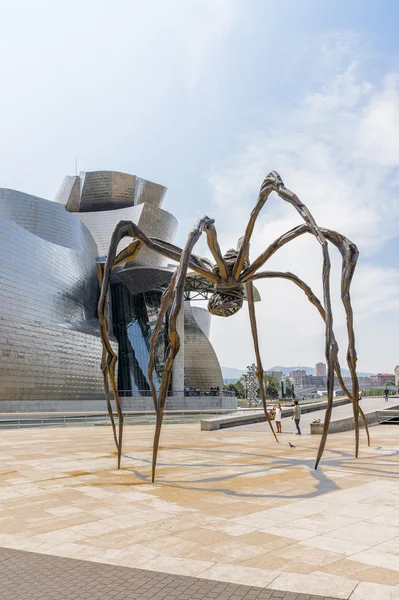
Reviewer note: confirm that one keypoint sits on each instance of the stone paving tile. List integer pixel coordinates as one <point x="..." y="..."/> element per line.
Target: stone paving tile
<point x="33" y="576"/>
<point x="231" y="506"/>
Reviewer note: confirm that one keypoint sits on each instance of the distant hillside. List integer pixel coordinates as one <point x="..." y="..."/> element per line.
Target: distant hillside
<point x="231" y="373"/>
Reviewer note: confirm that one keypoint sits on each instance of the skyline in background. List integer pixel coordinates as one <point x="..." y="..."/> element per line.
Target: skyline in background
<point x="206" y="98"/>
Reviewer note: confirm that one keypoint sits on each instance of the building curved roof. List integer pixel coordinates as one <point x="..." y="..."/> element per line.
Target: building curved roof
<point x="94" y="191"/>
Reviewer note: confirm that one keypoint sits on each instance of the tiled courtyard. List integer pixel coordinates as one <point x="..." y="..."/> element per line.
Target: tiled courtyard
<point x="228" y="506"/>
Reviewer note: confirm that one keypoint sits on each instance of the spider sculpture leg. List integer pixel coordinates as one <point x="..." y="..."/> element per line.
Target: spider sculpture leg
<point x="349" y="253"/>
<point x="104" y="370"/>
<point x="174" y="338"/>
<point x="214" y="247"/>
<point x="273" y="182"/>
<point x="316" y="302"/>
<point x="259" y="367"/>
<point x="330" y="349"/>
<point x="166" y="301"/>
<point x="123" y="229"/>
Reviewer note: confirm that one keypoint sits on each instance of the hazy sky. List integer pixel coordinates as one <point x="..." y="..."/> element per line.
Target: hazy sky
<point x="206" y="97"/>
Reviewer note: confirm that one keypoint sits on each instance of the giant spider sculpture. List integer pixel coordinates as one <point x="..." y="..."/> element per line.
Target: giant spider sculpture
<point x="230" y="274"/>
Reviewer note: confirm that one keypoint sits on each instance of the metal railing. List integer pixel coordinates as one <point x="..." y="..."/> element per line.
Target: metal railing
<point x="100" y="418"/>
<point x="195" y="392"/>
<point x="29" y="395"/>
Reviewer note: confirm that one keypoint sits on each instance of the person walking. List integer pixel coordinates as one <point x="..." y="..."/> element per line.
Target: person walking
<point x="277" y="417"/>
<point x="386" y="393"/>
<point x="296" y="415"/>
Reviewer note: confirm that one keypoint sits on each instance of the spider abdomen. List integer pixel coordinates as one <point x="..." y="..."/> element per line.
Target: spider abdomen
<point x="227" y="300"/>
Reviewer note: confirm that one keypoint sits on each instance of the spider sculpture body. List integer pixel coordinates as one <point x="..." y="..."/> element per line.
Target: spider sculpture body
<point x="231" y="274"/>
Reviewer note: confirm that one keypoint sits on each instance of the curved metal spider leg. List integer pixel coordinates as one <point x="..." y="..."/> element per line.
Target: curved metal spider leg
<point x="128" y="254"/>
<point x="104" y="369"/>
<point x="289" y="236"/>
<point x="214" y="247"/>
<point x="109" y="357"/>
<point x="268" y="186"/>
<point x="122" y="229"/>
<point x="349" y="253"/>
<point x="330" y="350"/>
<point x="174" y="338"/>
<point x="350" y="256"/>
<point x="166" y="301"/>
<point x="293" y="199"/>
<point x="200" y="265"/>
<point x="259" y="367"/>
<point x="316" y="302"/>
<point x="274" y="182"/>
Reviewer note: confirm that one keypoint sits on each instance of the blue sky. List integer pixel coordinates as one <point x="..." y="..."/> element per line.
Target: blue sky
<point x="206" y="97"/>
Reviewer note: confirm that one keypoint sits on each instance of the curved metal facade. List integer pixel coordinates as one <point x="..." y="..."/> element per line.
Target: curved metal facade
<point x="102" y="198"/>
<point x="49" y="340"/>
<point x="154" y="221"/>
<point x="50" y="346"/>
<point x="201" y="366"/>
<point x="107" y="190"/>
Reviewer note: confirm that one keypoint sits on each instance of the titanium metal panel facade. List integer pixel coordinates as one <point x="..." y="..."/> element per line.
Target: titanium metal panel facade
<point x="49" y="339"/>
<point x="201" y="366"/>
<point x="154" y="221"/>
<point x="107" y="190"/>
<point x="50" y="346"/>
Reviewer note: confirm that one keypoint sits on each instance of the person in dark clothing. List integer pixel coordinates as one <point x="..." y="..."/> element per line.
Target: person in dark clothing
<point x="296" y="415"/>
<point x="386" y="393"/>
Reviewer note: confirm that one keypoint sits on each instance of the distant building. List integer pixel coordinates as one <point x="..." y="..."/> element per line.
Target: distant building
<point x="396" y="371"/>
<point x="364" y="382"/>
<point x="382" y="378"/>
<point x="278" y="375"/>
<point x="321" y="369"/>
<point x="303" y="381"/>
<point x="298" y="378"/>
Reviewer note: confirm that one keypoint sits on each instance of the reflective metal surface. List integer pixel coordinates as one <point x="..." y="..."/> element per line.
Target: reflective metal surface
<point x="107" y="190"/>
<point x="49" y="337"/>
<point x="201" y="366"/>
<point x="50" y="349"/>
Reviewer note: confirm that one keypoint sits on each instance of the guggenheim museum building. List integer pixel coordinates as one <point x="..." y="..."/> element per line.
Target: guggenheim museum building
<point x="50" y="346"/>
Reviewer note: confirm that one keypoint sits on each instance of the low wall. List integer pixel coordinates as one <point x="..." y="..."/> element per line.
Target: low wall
<point x="348" y="424"/>
<point x="182" y="403"/>
<point x="258" y="415"/>
<point x="178" y="402"/>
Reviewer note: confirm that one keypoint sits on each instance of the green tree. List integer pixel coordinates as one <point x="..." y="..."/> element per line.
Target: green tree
<point x="237" y="388"/>
<point x="271" y="386"/>
<point x="289" y="389"/>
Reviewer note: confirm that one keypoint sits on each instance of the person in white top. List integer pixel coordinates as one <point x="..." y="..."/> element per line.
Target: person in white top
<point x="277" y="418"/>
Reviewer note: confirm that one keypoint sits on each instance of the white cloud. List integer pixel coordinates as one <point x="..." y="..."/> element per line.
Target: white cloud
<point x="378" y="132"/>
<point x="208" y="24"/>
<point x="337" y="149"/>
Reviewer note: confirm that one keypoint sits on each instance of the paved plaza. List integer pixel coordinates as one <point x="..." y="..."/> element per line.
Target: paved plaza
<point x="33" y="576"/>
<point x="230" y="510"/>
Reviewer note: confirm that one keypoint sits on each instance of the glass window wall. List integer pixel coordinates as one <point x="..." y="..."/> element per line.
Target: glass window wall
<point x="133" y="319"/>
